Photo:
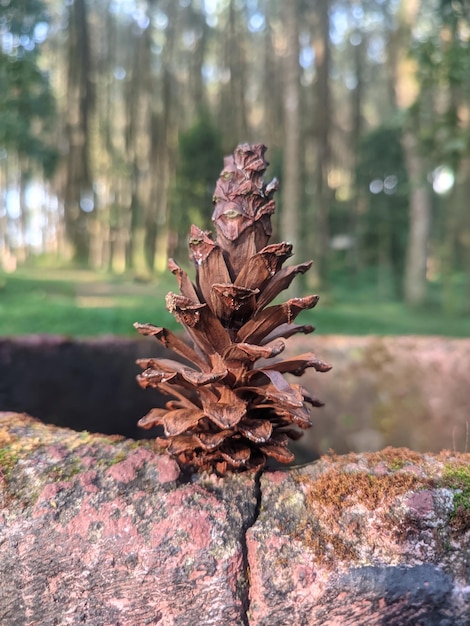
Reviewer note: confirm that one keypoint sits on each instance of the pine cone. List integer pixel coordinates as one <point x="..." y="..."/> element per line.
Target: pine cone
<point x="232" y="407"/>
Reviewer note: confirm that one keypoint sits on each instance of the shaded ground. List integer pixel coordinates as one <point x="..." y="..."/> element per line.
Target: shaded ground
<point x="85" y="385"/>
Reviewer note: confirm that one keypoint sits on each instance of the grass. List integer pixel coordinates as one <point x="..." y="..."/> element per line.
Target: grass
<point x="78" y="303"/>
<point x="81" y="303"/>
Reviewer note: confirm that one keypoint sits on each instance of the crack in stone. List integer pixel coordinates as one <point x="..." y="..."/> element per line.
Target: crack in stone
<point x="246" y="564"/>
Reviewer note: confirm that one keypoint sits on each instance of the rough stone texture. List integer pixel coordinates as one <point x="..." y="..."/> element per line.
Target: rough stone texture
<point x="101" y="531"/>
<point x="372" y="539"/>
<point x="382" y="391"/>
<point x="105" y="531"/>
<point x="388" y="391"/>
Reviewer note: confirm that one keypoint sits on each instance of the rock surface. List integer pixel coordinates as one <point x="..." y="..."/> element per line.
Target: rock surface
<point x="105" y="531"/>
<point x="404" y="391"/>
<point x="372" y="539"/>
<point x="99" y="530"/>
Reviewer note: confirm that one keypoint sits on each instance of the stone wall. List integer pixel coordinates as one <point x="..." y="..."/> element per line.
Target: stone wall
<point x="104" y="531"/>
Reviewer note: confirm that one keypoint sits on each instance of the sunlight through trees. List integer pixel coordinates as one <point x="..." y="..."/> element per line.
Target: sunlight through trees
<point x="364" y="107"/>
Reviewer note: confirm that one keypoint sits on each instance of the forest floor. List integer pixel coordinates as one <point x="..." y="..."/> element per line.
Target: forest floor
<point x="81" y="303"/>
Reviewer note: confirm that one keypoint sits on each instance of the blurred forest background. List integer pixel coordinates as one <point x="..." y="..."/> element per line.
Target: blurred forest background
<point x="115" y="116"/>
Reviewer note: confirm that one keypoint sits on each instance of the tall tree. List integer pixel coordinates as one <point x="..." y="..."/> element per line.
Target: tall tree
<point x="323" y="115"/>
<point x="156" y="64"/>
<point x="291" y="152"/>
<point x="358" y="53"/>
<point x="419" y="221"/>
<point x="452" y="139"/>
<point x="272" y="105"/>
<point x="164" y="137"/>
<point x="439" y="130"/>
<point x="407" y="93"/>
<point x="78" y="193"/>
<point x="233" y="105"/>
<point x="138" y="147"/>
<point x="27" y="111"/>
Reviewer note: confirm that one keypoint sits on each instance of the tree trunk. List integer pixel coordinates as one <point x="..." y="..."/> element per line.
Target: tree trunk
<point x="7" y="259"/>
<point x="291" y="154"/>
<point x="419" y="222"/>
<point x="407" y="91"/>
<point x="78" y="193"/>
<point x="138" y="147"/>
<point x="272" y="91"/>
<point x="22" y="249"/>
<point x="323" y="117"/>
<point x="358" y="52"/>
<point x="233" y="109"/>
<point x="163" y="130"/>
<point x="464" y="231"/>
<point x="196" y="90"/>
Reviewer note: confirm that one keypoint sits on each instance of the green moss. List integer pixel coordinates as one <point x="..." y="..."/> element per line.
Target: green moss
<point x="327" y="547"/>
<point x="8" y="460"/>
<point x="104" y="463"/>
<point x="457" y="477"/>
<point x="457" y="474"/>
<point x="120" y="456"/>
<point x="397" y="464"/>
<point x="392" y="458"/>
<point x="336" y="488"/>
<point x="85" y="437"/>
<point x="64" y="473"/>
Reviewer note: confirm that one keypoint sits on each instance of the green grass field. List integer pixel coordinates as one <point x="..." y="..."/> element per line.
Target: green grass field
<point x="81" y="303"/>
